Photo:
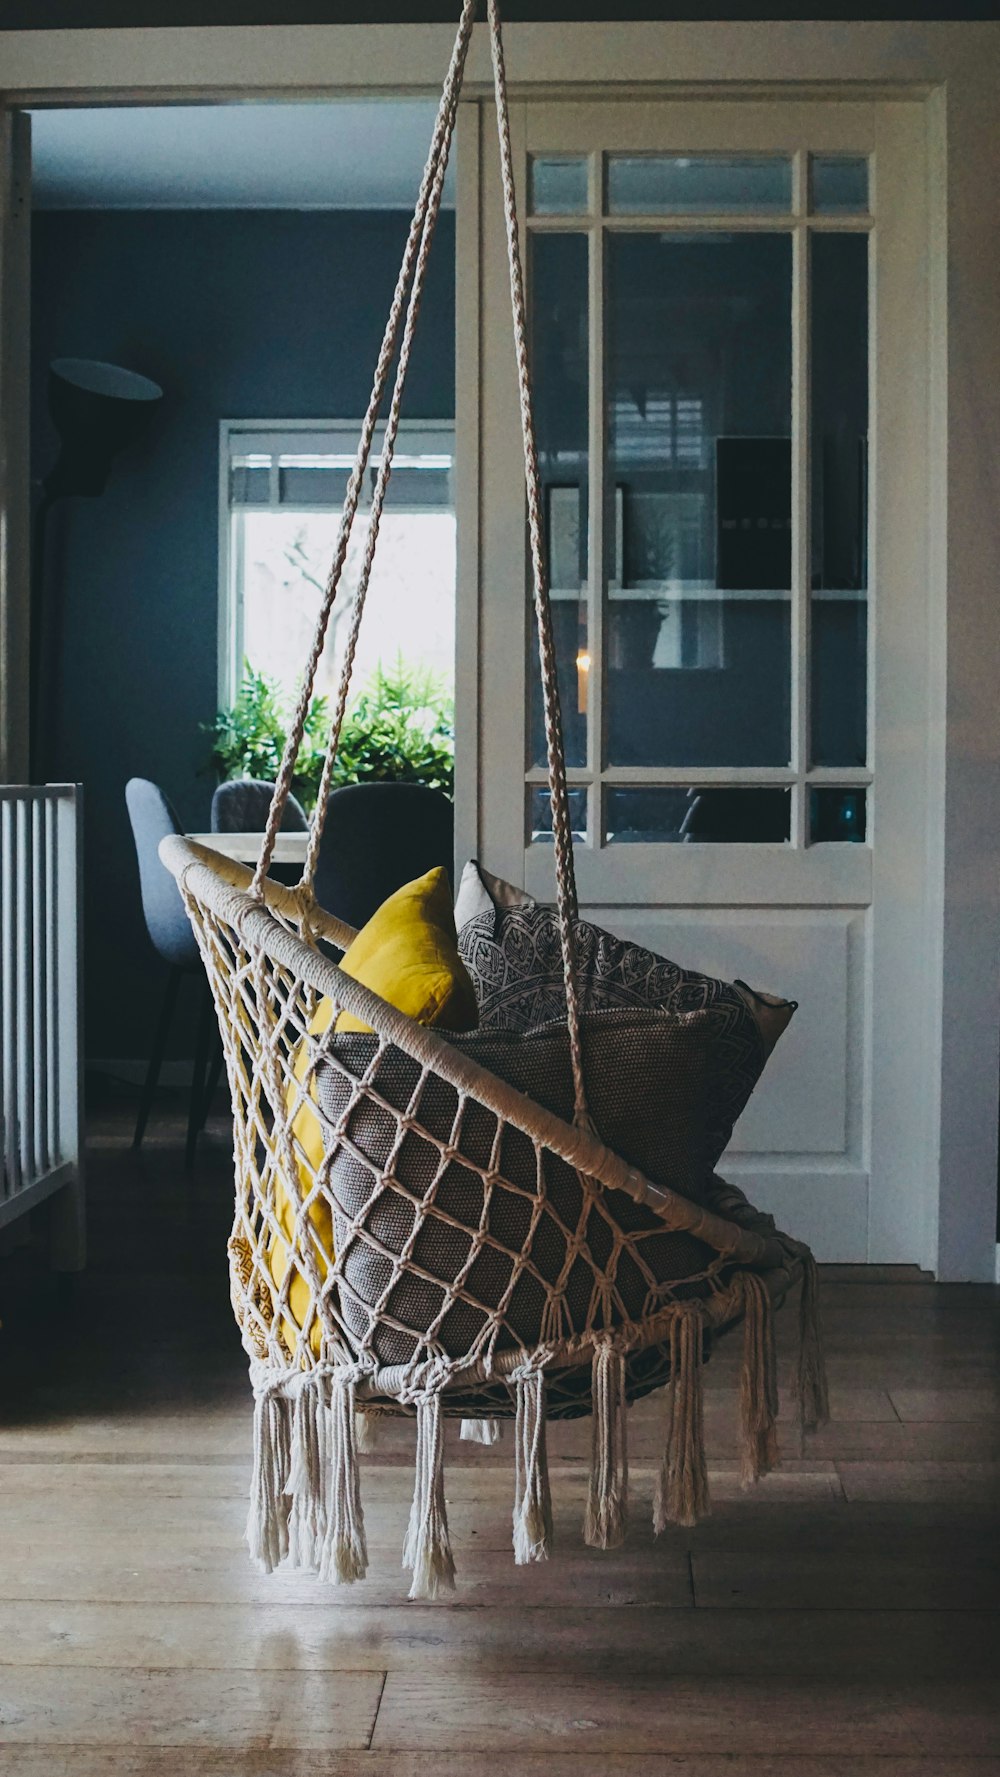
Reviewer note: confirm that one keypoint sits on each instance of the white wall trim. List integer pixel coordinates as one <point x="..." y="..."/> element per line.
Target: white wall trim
<point x="75" y="67"/>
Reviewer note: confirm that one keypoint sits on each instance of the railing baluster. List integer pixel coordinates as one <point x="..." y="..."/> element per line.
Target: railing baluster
<point x="40" y="1150"/>
<point x="52" y="983"/>
<point x="39" y="1058"/>
<point x="26" y="995"/>
<point x="5" y="904"/>
<point x="11" y="1045"/>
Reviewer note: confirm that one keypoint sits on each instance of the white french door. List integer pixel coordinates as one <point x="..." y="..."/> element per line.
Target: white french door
<point x="729" y="343"/>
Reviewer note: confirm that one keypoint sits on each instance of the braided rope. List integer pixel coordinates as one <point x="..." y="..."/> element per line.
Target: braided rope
<point x="444" y="123"/>
<point x="408" y="293"/>
<point x="561" y="833"/>
<point x="318" y="821"/>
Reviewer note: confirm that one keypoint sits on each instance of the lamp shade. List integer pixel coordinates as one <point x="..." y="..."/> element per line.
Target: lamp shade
<point x="97" y="409"/>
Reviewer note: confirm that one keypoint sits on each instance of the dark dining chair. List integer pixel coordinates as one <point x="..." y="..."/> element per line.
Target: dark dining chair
<point x="378" y="836"/>
<point x="173" y="939"/>
<point x="241" y="804"/>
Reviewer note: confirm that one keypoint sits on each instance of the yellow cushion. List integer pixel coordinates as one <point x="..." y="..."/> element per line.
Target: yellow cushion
<point x="408" y="955"/>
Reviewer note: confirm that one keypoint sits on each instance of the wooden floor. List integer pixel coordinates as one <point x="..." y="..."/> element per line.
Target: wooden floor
<point x="841" y="1619"/>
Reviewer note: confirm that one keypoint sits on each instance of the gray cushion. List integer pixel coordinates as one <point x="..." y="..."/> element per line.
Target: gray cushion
<point x="514" y="956"/>
<point x="646" y="1077"/>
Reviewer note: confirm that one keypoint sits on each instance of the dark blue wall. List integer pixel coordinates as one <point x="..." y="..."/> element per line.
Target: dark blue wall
<point x="237" y="316"/>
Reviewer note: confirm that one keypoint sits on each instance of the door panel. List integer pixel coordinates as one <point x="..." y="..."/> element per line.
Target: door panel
<point x="727" y="301"/>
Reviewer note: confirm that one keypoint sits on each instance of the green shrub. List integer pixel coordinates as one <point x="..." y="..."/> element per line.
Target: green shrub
<point x="399" y="729"/>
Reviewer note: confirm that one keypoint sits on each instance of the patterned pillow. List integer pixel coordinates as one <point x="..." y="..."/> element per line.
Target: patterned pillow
<point x="512" y="951"/>
<point x="646" y="1072"/>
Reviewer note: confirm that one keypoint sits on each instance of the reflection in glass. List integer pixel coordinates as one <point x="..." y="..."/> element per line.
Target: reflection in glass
<point x="837" y="815"/>
<point x="697" y="816"/>
<point x="540" y="815"/>
<point x="707" y="185"/>
<point x="839" y="358"/>
<point x="558" y="185"/>
<point x="698" y="499"/>
<point x="559" y="310"/>
<point x="838" y="183"/>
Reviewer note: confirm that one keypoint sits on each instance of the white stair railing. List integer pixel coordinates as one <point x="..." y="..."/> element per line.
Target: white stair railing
<point x="40" y="1051"/>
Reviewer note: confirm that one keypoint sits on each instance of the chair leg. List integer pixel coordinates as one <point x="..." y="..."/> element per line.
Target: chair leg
<point x="195" y="1118"/>
<point x="214" y="1076"/>
<point x="163" y="1024"/>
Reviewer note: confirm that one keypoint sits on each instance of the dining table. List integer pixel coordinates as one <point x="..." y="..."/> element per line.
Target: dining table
<point x="289" y="848"/>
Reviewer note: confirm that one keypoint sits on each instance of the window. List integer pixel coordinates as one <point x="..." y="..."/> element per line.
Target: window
<point x="283" y="487"/>
<point x="705" y="485"/>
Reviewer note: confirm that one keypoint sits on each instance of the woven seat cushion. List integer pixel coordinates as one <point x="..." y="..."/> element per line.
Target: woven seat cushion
<point x="646" y="1075"/>
<point x="511" y="948"/>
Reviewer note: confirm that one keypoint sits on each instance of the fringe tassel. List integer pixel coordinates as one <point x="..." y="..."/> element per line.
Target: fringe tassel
<point x="607" y="1502"/>
<point x="532" y="1497"/>
<point x="427" y="1550"/>
<point x="758" y="1384"/>
<point x="366" y="1432"/>
<point x="481" y="1431"/>
<point x="682" y="1484"/>
<point x="344" y="1557"/>
<point x="307" y="1476"/>
<point x="814" y="1401"/>
<point x="267" y="1519"/>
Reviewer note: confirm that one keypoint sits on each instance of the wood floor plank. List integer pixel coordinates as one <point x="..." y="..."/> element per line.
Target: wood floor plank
<point x="99" y="1488"/>
<point x="219" y="1433"/>
<point x="655" y="1642"/>
<point x="212" y="1569"/>
<point x="677" y="1715"/>
<point x="972" y="1441"/>
<point x="182" y="1508"/>
<point x="54" y="1761"/>
<point x="947" y="1483"/>
<point x="947" y="1405"/>
<point x="100" y="1706"/>
<point x="793" y="1579"/>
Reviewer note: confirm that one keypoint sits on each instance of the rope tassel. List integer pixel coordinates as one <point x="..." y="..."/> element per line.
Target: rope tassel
<point x="366" y="1432"/>
<point x="682" y="1485"/>
<point x="267" y="1519"/>
<point x="814" y="1400"/>
<point x="532" y="1497"/>
<point x="481" y="1431"/>
<point x="344" y="1556"/>
<point x="427" y="1550"/>
<point x="607" y="1502"/>
<point x="758" y="1384"/>
<point x="307" y="1475"/>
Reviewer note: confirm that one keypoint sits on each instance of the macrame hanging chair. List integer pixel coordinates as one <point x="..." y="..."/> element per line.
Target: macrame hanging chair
<point x="444" y="1186"/>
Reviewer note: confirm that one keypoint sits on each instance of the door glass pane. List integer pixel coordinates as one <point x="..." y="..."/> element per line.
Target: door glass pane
<point x="698" y="499"/>
<point x="559" y="310"/>
<point x="679" y="816"/>
<point x="838" y="183"/>
<point x="540" y="814"/>
<point x="706" y="185"/>
<point x="837" y="815"/>
<point x="839" y="360"/>
<point x="558" y="185"/>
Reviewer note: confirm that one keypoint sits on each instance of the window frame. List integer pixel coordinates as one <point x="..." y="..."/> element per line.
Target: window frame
<point x="271" y="433"/>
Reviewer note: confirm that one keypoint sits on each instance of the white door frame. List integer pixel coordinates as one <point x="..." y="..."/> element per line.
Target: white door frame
<point x="954" y="69"/>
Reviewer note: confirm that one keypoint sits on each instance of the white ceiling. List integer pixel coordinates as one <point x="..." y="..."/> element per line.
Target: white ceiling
<point x="345" y="155"/>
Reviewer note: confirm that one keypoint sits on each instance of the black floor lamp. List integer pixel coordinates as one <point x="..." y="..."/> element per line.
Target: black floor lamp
<point x="98" y="409"/>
